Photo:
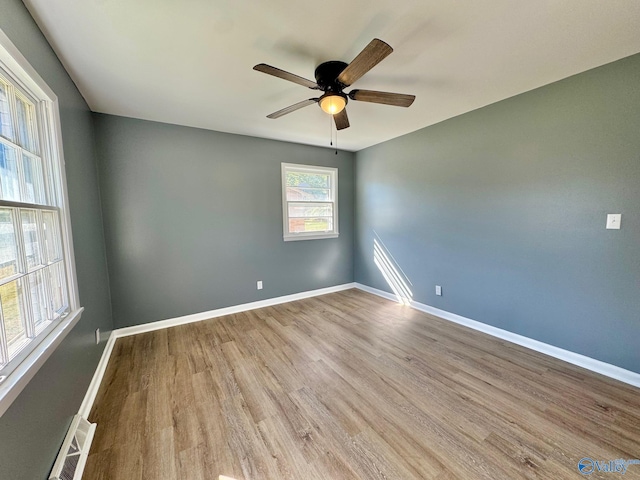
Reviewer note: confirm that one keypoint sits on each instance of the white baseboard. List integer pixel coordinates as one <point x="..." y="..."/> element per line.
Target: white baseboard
<point x="92" y="391"/>
<point x="380" y="293"/>
<point x="220" y="312"/>
<point x="612" y="371"/>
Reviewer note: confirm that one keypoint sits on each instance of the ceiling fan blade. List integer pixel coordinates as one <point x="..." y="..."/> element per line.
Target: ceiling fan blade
<point x="341" y="119"/>
<point x="276" y="72"/>
<point x="373" y="54"/>
<point x="293" y="108"/>
<point x="395" y="99"/>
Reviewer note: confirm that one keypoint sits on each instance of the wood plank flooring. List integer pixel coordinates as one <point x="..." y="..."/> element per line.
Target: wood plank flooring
<point x="351" y="386"/>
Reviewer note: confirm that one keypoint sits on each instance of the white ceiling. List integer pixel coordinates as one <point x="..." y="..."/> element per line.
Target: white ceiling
<point x="189" y="62"/>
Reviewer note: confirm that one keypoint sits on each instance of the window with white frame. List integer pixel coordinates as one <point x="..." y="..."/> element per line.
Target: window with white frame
<point x="37" y="282"/>
<point x="309" y="202"/>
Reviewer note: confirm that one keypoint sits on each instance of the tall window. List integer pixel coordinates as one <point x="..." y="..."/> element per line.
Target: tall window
<point x="37" y="293"/>
<point x="310" y="202"/>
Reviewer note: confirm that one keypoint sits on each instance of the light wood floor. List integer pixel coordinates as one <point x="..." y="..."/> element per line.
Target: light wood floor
<point x="350" y="386"/>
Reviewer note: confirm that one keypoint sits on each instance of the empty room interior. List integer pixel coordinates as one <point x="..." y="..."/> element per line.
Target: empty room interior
<point x="341" y="240"/>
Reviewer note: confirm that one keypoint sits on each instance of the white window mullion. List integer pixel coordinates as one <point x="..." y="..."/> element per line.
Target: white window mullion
<point x="14" y="112"/>
<point x="40" y="237"/>
<point x="65" y="290"/>
<point x="35" y="121"/>
<point x="45" y="153"/>
<point x="48" y="294"/>
<point x="25" y="298"/>
<point x="4" y="350"/>
<point x="26" y="305"/>
<point x="22" y="257"/>
<point x="44" y="253"/>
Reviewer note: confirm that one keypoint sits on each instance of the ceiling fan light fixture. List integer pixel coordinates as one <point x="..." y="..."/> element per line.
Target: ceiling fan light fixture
<point x="332" y="103"/>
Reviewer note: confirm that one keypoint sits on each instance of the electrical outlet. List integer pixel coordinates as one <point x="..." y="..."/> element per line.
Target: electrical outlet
<point x="259" y="284"/>
<point x="97" y="336"/>
<point x="438" y="290"/>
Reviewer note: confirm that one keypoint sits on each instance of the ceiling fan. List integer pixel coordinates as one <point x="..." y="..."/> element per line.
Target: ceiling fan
<point x="333" y="77"/>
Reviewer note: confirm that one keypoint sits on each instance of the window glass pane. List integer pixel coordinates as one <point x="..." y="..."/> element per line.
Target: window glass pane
<point x="38" y="298"/>
<point x="310" y="194"/>
<point x="13" y="315"/>
<point x="56" y="284"/>
<point x="9" y="180"/>
<point x="51" y="235"/>
<point x="33" y="180"/>
<point x="26" y="124"/>
<point x="300" y="179"/>
<point x="6" y="127"/>
<point x="8" y="245"/>
<point x="302" y="225"/>
<point x="30" y="235"/>
<point x="310" y="210"/>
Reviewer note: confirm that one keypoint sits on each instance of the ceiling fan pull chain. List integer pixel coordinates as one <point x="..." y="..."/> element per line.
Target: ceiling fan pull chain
<point x="331" y="130"/>
<point x="336" y="141"/>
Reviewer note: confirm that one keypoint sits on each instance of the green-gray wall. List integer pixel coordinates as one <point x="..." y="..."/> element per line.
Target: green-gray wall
<point x="505" y="208"/>
<point x="33" y="428"/>
<point x="193" y="218"/>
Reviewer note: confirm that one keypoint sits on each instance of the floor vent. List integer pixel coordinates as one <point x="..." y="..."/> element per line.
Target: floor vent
<point x="75" y="450"/>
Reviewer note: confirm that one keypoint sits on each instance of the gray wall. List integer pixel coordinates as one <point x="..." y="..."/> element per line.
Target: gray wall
<point x="33" y="428"/>
<point x="193" y="218"/>
<point x="505" y="208"/>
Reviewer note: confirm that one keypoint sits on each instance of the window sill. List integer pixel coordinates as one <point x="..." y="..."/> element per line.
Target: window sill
<point x="14" y="383"/>
<point x="295" y="238"/>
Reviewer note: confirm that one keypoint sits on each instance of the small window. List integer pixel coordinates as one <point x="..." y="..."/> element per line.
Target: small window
<point x="309" y="202"/>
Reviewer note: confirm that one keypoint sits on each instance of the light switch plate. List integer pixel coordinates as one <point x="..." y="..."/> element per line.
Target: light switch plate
<point x="613" y="221"/>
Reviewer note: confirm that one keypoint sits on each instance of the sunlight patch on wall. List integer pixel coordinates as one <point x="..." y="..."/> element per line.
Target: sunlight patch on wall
<point x="392" y="273"/>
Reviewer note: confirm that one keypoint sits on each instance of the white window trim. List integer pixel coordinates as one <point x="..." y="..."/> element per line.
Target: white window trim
<point x="41" y="349"/>
<point x="292" y="237"/>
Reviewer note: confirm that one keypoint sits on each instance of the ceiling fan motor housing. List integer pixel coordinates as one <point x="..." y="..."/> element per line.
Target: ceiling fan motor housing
<point x="327" y="75"/>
